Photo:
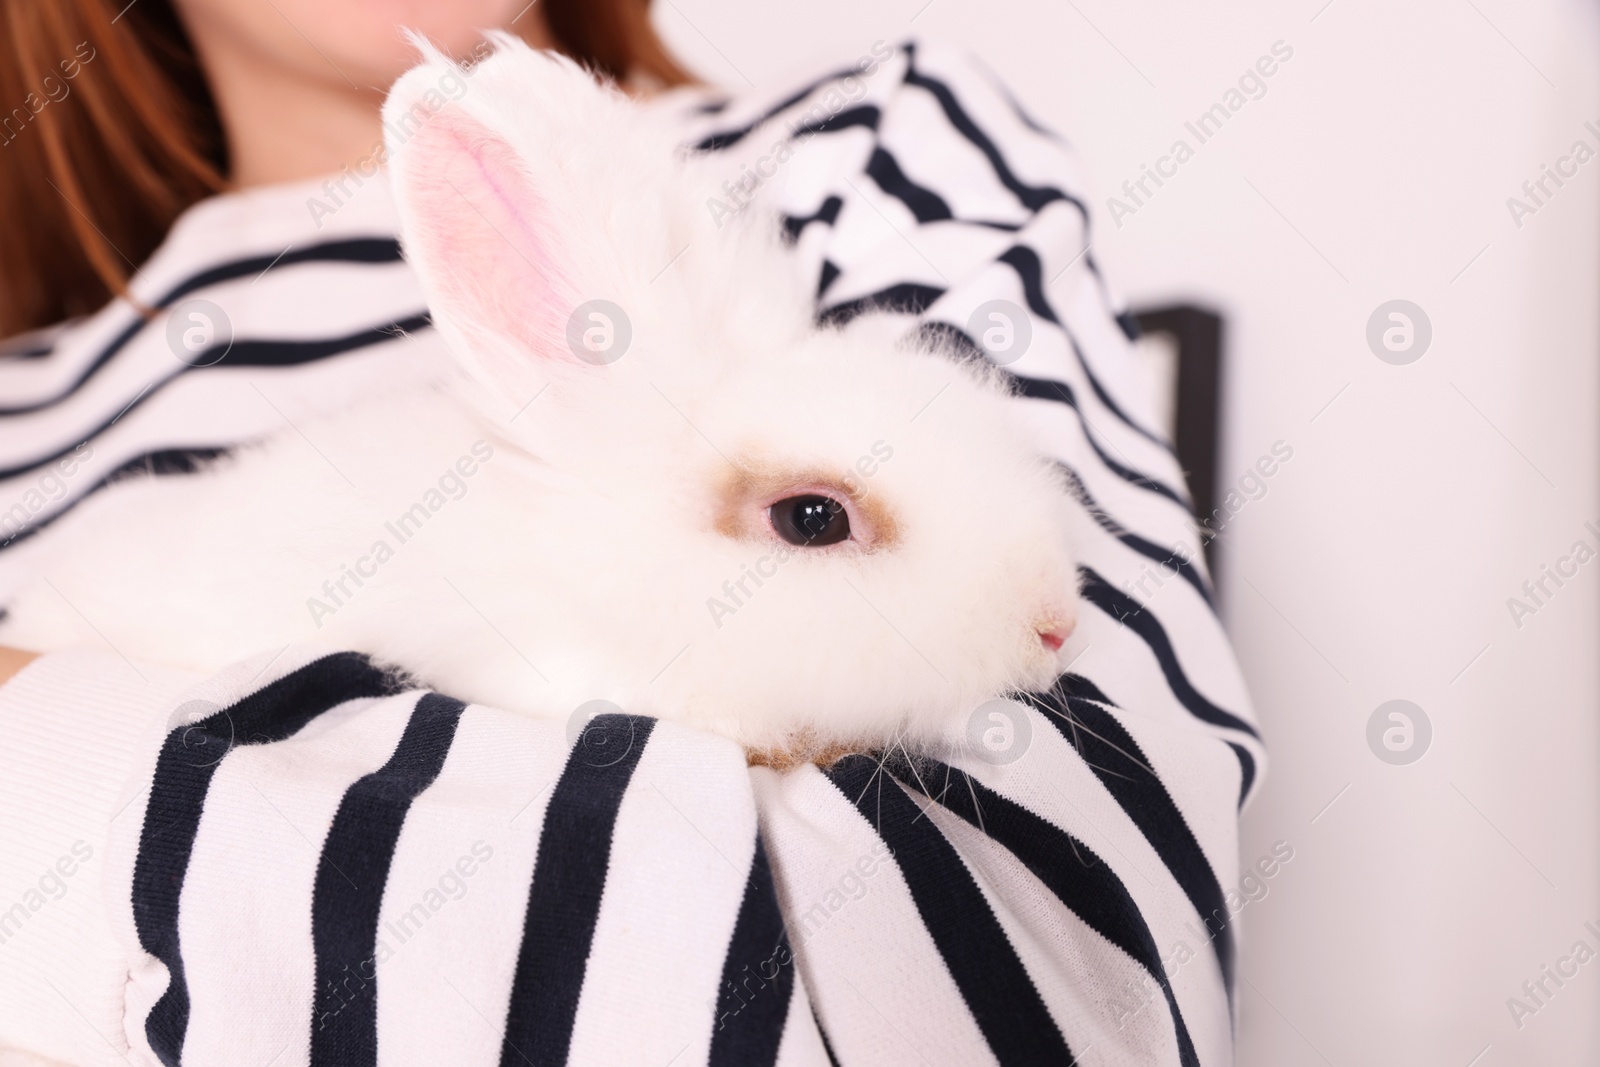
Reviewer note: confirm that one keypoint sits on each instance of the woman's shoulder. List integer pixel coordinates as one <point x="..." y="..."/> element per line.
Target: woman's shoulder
<point x="925" y="122"/>
<point x="229" y="330"/>
<point x="856" y="91"/>
<point x="231" y="241"/>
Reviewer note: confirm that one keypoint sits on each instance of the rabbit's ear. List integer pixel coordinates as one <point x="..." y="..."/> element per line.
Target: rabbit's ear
<point x="481" y="237"/>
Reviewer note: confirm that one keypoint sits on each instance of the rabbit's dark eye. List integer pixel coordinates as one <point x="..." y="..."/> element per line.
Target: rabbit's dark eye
<point x="810" y="520"/>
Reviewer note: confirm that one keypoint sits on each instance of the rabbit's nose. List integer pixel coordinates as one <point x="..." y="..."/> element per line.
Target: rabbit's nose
<point x="1053" y="635"/>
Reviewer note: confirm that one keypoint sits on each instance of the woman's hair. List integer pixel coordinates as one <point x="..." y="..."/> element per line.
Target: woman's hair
<point x="110" y="132"/>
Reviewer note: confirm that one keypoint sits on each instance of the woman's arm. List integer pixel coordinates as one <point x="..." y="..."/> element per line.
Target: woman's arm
<point x="79" y="726"/>
<point x="13" y="660"/>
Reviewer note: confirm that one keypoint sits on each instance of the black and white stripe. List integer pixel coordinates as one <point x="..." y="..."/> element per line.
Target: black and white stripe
<point x="345" y="873"/>
<point x="351" y="874"/>
<point x="189" y="761"/>
<point x="569" y="878"/>
<point x="308" y="323"/>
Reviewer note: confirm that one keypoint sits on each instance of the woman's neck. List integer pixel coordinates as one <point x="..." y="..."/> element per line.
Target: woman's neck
<point x="286" y="123"/>
<point x="284" y="128"/>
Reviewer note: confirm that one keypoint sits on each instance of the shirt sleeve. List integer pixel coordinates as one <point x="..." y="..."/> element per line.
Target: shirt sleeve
<point x="74" y="724"/>
<point x="319" y="859"/>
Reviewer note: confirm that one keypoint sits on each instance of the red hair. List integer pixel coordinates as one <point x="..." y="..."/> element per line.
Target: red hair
<point x="125" y="136"/>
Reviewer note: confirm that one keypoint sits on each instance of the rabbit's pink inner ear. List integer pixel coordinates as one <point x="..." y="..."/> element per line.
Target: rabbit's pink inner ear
<point x="477" y="232"/>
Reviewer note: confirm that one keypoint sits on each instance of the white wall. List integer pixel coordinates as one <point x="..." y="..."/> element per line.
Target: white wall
<point x="1378" y="565"/>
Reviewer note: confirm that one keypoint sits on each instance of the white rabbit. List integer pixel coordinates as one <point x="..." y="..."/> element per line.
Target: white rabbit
<point x="804" y="539"/>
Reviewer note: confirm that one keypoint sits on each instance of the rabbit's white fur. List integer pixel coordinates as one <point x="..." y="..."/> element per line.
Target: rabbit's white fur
<point x="583" y="559"/>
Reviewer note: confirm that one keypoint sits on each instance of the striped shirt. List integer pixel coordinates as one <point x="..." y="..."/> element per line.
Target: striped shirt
<point x="302" y="861"/>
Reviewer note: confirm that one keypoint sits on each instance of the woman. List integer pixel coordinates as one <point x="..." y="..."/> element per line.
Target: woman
<point x="184" y="894"/>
